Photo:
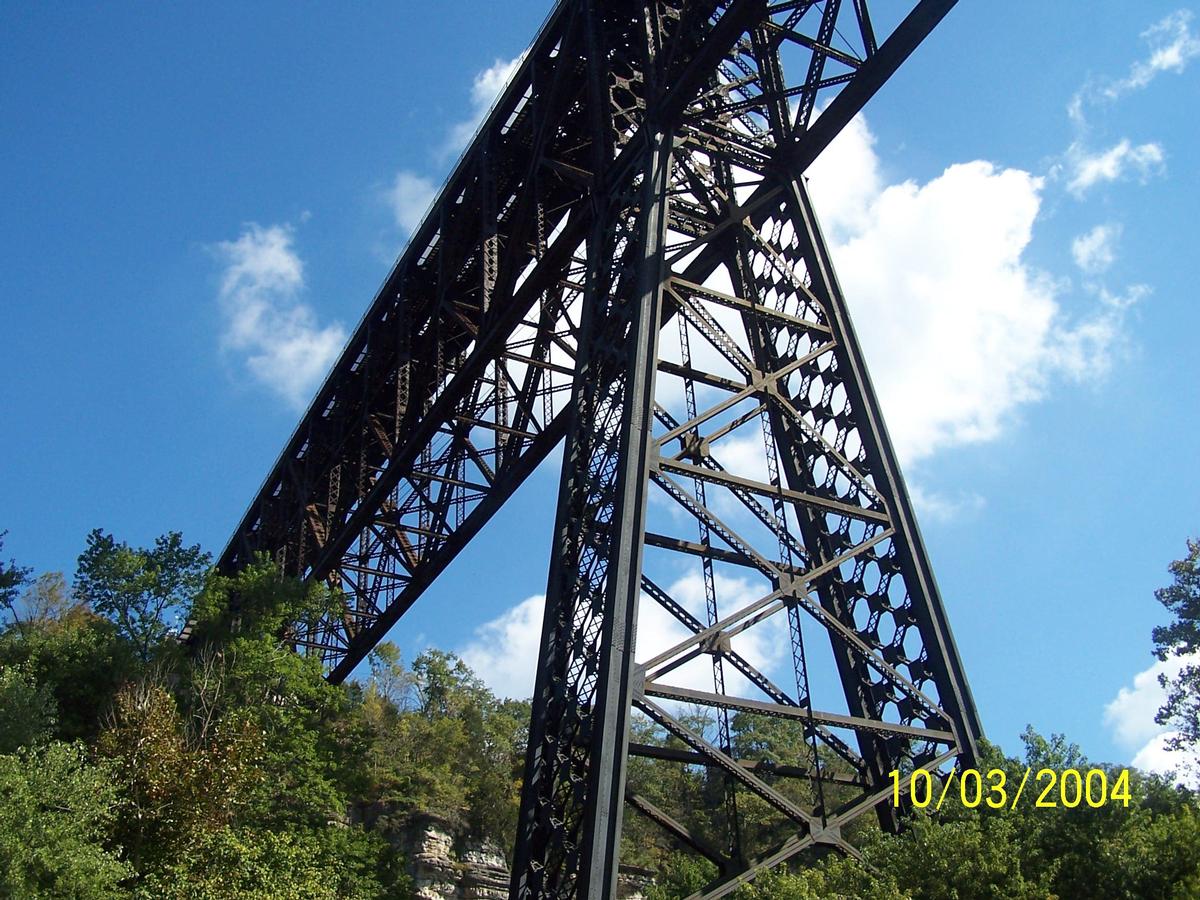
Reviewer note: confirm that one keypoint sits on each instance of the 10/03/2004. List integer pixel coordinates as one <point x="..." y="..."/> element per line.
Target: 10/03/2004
<point x="1069" y="788"/>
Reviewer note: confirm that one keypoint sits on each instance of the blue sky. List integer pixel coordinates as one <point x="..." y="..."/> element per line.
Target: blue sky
<point x="200" y="203"/>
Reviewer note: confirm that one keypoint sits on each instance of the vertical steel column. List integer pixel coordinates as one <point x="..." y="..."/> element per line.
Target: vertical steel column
<point x="610" y="742"/>
<point x="570" y="824"/>
<point x="569" y="829"/>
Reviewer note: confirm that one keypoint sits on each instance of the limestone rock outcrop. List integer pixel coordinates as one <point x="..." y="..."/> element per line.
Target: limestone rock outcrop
<point x="448" y="866"/>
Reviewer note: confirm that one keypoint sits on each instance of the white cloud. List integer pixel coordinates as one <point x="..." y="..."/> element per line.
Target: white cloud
<point x="764" y="646"/>
<point x="935" y="506"/>
<point x="846" y="181"/>
<point x="1130" y="716"/>
<point x="409" y="197"/>
<point x="410" y="193"/>
<point x="1089" y="169"/>
<point x="1172" y="45"/>
<point x="283" y="345"/>
<point x="504" y="651"/>
<point x="484" y="90"/>
<point x="1085" y="352"/>
<point x="1157" y="757"/>
<point x="1095" y="251"/>
<point x="1075" y="109"/>
<point x="1133" y="295"/>
<point x="959" y="329"/>
<point x="491" y="81"/>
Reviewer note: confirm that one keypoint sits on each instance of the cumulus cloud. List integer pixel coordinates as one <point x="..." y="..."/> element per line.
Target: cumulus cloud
<point x="959" y="328"/>
<point x="279" y="337"/>
<point x="410" y="193"/>
<point x="764" y="646"/>
<point x="960" y="331"/>
<point x="409" y="197"/>
<point x="1087" y="169"/>
<point x="484" y="90"/>
<point x="1095" y="250"/>
<point x="1157" y="756"/>
<point x="504" y="651"/>
<point x="1130" y="716"/>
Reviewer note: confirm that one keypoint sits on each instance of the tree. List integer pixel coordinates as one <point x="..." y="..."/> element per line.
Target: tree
<point x="54" y="826"/>
<point x="140" y="589"/>
<point x="256" y="863"/>
<point x="928" y="861"/>
<point x="313" y="745"/>
<point x="12" y="577"/>
<point x="1181" y="637"/>
<point x="442" y="743"/>
<point x="174" y="787"/>
<point x="390" y="682"/>
<point x="79" y="658"/>
<point x="26" y="711"/>
<point x="45" y="600"/>
<point x="309" y="762"/>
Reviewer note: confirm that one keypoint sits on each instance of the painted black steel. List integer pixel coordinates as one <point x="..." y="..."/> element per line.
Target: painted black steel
<point x="642" y="177"/>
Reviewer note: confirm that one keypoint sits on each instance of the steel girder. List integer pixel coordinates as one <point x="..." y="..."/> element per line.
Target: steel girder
<point x="627" y="258"/>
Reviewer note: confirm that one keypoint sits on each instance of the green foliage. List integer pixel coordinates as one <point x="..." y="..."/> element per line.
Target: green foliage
<point x="835" y="878"/>
<point x="443" y="744"/>
<point x="390" y="682"/>
<point x="695" y="796"/>
<point x="248" y="703"/>
<point x="1075" y="853"/>
<point x="1182" y="599"/>
<point x="687" y="792"/>
<point x="173" y="786"/>
<point x="1182" y="636"/>
<point x="1149" y="849"/>
<point x="26" y="711"/>
<point x="228" y="772"/>
<point x="313" y="740"/>
<point x="55" y="818"/>
<point x="260" y="864"/>
<point x="79" y="658"/>
<point x="235" y="770"/>
<point x="140" y="589"/>
<point x="928" y="861"/>
<point x="680" y="875"/>
<point x="1148" y="856"/>
<point x="46" y="599"/>
<point x="266" y="601"/>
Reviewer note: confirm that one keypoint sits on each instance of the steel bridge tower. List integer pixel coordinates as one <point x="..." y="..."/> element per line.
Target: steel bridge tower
<point x="626" y="261"/>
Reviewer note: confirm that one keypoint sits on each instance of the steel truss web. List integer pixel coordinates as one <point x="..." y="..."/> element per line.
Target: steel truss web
<point x="626" y="260"/>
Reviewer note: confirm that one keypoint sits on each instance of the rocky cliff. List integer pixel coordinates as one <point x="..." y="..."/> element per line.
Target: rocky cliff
<point x="446" y="866"/>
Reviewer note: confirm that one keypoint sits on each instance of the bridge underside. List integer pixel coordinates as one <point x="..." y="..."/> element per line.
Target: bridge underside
<point x="626" y="261"/>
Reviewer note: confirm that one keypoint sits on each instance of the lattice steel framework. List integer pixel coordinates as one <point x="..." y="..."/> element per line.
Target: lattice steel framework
<point x="627" y="259"/>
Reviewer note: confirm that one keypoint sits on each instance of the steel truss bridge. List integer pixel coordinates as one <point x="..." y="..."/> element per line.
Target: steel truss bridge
<point x="626" y="261"/>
